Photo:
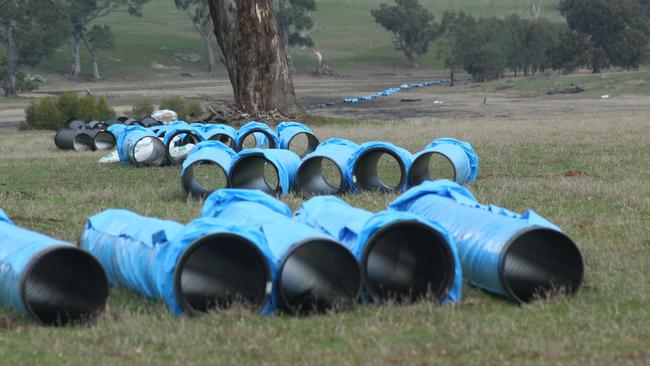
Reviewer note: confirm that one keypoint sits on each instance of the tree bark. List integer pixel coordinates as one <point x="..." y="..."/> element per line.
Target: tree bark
<point x="96" y="75"/>
<point x="248" y="35"/>
<point x="12" y="62"/>
<point x="212" y="62"/>
<point x="75" y="42"/>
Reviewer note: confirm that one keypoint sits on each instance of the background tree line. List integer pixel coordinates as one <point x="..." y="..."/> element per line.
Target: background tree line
<point x="597" y="34"/>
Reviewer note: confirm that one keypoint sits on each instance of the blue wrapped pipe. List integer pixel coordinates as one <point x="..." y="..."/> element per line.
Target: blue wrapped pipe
<point x="250" y="170"/>
<point x="162" y="130"/>
<point x="314" y="272"/>
<point x="402" y="256"/>
<point x="139" y="146"/>
<point x="179" y="141"/>
<point x="207" y="264"/>
<point x="325" y="170"/>
<point x="210" y="157"/>
<point x="289" y="134"/>
<point x="454" y="160"/>
<point x="521" y="257"/>
<point x="220" y="132"/>
<point x="265" y="137"/>
<point x="365" y="174"/>
<point x="49" y="280"/>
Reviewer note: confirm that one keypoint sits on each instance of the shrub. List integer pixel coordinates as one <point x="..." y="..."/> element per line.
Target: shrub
<point x="54" y="113"/>
<point x="45" y="115"/>
<point x="194" y="109"/>
<point x="141" y="109"/>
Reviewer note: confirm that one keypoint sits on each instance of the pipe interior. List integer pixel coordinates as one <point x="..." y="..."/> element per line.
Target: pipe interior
<point x="407" y="261"/>
<point x="303" y="143"/>
<point x="255" y="172"/>
<point x="319" y="176"/>
<point x="83" y="142"/>
<point x="431" y="166"/>
<point x="318" y="276"/>
<point x="65" y="285"/>
<point x="379" y="170"/>
<point x="220" y="270"/>
<point x="540" y="263"/>
<point x="149" y="151"/>
<point x="180" y="145"/>
<point x="257" y="138"/>
<point x="223" y="138"/>
<point x="204" y="177"/>
<point x="104" y="140"/>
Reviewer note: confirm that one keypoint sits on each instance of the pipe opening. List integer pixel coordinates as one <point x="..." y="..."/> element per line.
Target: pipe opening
<point x="64" y="285"/>
<point x="319" y="275"/>
<point x="380" y="170"/>
<point x="219" y="271"/>
<point x="431" y="166"/>
<point x="149" y="151"/>
<point x="222" y="137"/>
<point x="256" y="137"/>
<point x="407" y="261"/>
<point x="180" y="144"/>
<point x="541" y="263"/>
<point x="303" y="143"/>
<point x="83" y="142"/>
<point x="255" y="172"/>
<point x="104" y="140"/>
<point x="204" y="177"/>
<point x="319" y="176"/>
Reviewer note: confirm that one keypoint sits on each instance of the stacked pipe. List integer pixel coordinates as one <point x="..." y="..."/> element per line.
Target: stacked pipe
<point x="520" y="257"/>
<point x="54" y="282"/>
<point x="84" y="136"/>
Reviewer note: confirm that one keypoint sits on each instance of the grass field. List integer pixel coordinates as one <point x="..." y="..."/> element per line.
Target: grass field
<point x="346" y="32"/>
<point x="604" y="204"/>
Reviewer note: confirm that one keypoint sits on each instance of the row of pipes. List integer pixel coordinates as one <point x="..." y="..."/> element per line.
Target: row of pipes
<point x="391" y="91"/>
<point x="335" y="166"/>
<point x="249" y="248"/>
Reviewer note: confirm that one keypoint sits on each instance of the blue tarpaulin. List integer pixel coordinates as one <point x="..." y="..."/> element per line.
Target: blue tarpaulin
<point x="305" y="257"/>
<point x="142" y="253"/>
<point x="460" y="154"/>
<point x="356" y="228"/>
<point x="501" y="251"/>
<point x="59" y="281"/>
<point x="362" y="168"/>
<point x="286" y="163"/>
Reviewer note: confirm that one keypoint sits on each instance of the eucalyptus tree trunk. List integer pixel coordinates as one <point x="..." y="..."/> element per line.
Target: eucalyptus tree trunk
<point x="12" y="61"/>
<point x="75" y="52"/>
<point x="255" y="56"/>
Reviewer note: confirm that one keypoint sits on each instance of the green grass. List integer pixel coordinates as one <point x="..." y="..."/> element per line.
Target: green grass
<point x="346" y="32"/>
<point x="611" y="83"/>
<point x="523" y="165"/>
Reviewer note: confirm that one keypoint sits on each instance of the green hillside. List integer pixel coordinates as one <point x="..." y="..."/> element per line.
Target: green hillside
<point x="346" y="33"/>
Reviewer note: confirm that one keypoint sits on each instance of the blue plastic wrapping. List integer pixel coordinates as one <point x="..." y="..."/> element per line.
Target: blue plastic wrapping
<point x="213" y="151"/>
<point x="486" y="234"/>
<point x="206" y="152"/>
<point x="20" y="250"/>
<point x="262" y="133"/>
<point x="287" y="130"/>
<point x="273" y="218"/>
<point x="210" y="131"/>
<point x="338" y="151"/>
<point x="142" y="253"/>
<point x="354" y="227"/>
<point x="391" y="91"/>
<point x="285" y="161"/>
<point x="128" y="139"/>
<point x="405" y="158"/>
<point x="460" y="154"/>
<point x="161" y="131"/>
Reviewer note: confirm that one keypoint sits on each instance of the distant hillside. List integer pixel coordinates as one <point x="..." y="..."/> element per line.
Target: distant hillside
<point x="346" y="33"/>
